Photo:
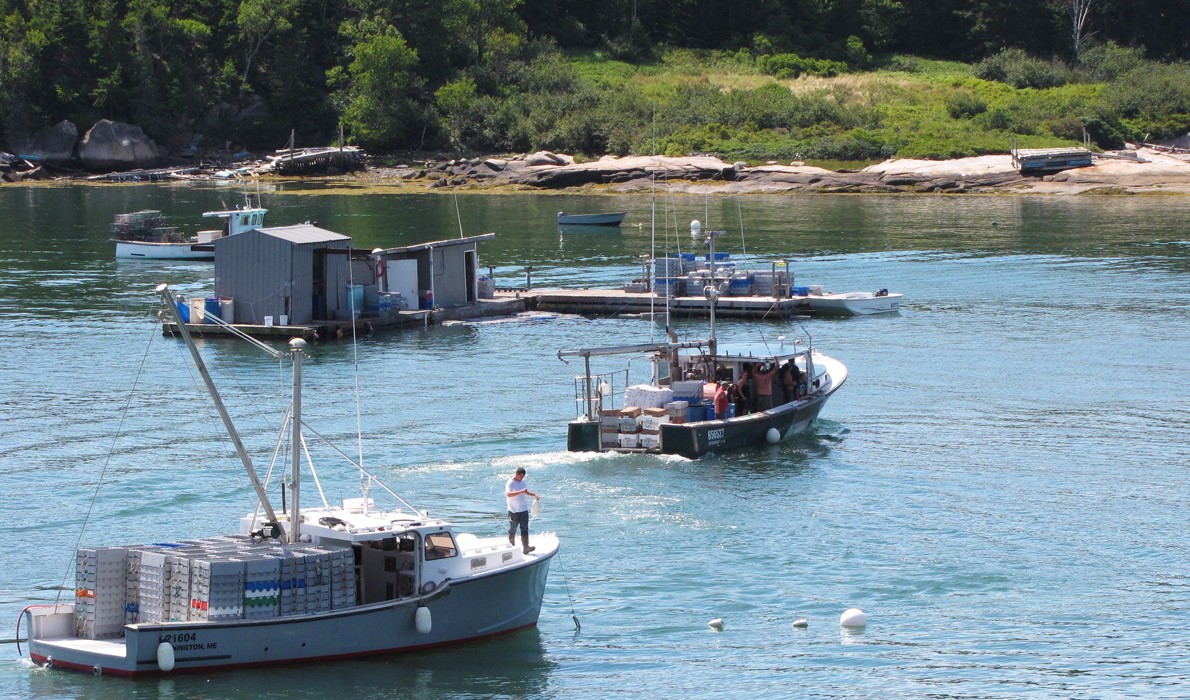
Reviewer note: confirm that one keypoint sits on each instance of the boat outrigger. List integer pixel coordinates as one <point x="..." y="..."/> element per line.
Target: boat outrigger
<point x="672" y="415"/>
<point x="298" y="585"/>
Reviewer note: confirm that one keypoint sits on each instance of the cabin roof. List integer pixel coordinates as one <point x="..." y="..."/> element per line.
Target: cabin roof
<point x="303" y="233"/>
<point x="436" y="244"/>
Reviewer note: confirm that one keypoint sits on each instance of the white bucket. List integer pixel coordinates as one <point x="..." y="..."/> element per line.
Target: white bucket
<point x="198" y="312"/>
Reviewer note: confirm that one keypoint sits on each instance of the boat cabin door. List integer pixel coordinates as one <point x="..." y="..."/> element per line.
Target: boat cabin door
<point x="389" y="569"/>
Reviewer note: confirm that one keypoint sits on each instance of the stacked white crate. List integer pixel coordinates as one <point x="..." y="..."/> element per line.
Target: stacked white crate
<point x="176" y="606"/>
<point x="262" y="587"/>
<point x="647" y="396"/>
<point x="217" y="588"/>
<point x="342" y="579"/>
<point x="100" y="591"/>
<point x="151" y="589"/>
<point x="317" y="563"/>
<point x="293" y="586"/>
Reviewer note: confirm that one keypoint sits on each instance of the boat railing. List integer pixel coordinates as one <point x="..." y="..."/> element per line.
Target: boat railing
<point x="599" y="393"/>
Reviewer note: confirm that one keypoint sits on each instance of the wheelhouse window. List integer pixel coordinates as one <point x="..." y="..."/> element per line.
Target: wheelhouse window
<point x="440" y="545"/>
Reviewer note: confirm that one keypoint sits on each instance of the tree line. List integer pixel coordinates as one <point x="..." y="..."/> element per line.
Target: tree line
<point x="474" y="75"/>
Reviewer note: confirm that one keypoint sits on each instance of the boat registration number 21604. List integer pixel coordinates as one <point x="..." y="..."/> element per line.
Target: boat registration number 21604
<point x="179" y="637"/>
<point x="715" y="436"/>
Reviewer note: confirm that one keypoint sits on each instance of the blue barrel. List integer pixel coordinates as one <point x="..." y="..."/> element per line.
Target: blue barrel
<point x="800" y="291"/>
<point x="210" y="308"/>
<point x="696" y="412"/>
<point x="183" y="310"/>
<point x="427" y="300"/>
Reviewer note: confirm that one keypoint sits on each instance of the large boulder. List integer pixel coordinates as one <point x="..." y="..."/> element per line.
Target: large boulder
<point x="55" y="145"/>
<point x="112" y="145"/>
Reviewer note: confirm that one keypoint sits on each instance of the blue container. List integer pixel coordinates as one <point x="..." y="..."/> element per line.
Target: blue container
<point x="730" y="410"/>
<point x="696" y="412"/>
<point x="801" y="291"/>
<point x="719" y="257"/>
<point x="355" y="299"/>
<point x="741" y="286"/>
<point x="710" y="411"/>
<point x="426" y="301"/>
<point x="210" y="308"/>
<point x="183" y="310"/>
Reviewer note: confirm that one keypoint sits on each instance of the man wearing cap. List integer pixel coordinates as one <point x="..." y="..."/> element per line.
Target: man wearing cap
<point x="516" y="493"/>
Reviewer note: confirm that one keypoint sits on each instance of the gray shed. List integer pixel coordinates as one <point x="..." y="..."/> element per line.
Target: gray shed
<point x="296" y="271"/>
<point x="447" y="270"/>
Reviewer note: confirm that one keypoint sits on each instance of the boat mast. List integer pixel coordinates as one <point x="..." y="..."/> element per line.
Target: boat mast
<point x="295" y="437"/>
<point x="711" y="292"/>
<point x="172" y="307"/>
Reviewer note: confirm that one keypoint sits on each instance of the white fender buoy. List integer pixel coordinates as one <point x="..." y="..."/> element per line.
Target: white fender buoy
<point x="801" y="624"/>
<point x="773" y="436"/>
<point x="422" y="619"/>
<point x="716" y="624"/>
<point x="165" y="656"/>
<point x="853" y="617"/>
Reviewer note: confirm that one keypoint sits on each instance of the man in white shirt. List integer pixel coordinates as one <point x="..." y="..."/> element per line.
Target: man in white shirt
<point x="517" y="495"/>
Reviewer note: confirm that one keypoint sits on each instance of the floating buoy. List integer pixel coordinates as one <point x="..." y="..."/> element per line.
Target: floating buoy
<point x="801" y="624"/>
<point x="773" y="436"/>
<point x="165" y="656"/>
<point x="422" y="619"/>
<point x="853" y="617"/>
<point x="716" y="624"/>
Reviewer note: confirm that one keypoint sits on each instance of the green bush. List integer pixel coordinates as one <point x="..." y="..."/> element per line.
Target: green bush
<point x="790" y="65"/>
<point x="1020" y="70"/>
<point x="964" y="105"/>
<point x="1103" y="63"/>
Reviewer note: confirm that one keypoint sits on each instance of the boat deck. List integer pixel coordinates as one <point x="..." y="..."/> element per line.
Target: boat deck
<point x="612" y="302"/>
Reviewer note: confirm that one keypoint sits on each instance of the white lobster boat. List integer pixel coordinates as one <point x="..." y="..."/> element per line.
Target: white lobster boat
<point x="301" y="585"/>
<point x="143" y="235"/>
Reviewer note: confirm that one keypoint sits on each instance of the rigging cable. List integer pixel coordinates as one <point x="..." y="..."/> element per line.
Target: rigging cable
<point x="573" y="616"/>
<point x="107" y="460"/>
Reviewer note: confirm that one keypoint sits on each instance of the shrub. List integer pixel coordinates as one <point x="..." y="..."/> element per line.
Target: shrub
<point x="1020" y="70"/>
<point x="1107" y="62"/>
<point x="790" y="65"/>
<point x="964" y="105"/>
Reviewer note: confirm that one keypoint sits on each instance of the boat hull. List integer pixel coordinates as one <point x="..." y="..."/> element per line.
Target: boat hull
<point x="146" y="250"/>
<point x="701" y="437"/>
<point x="465" y="609"/>
<point x="697" y="439"/>
<point x="609" y="219"/>
<point x="854" y="303"/>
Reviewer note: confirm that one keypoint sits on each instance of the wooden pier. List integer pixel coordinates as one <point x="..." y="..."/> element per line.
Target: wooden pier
<point x="614" y="302"/>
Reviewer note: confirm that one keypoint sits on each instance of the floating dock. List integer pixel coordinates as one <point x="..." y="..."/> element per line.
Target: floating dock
<point x="1040" y="161"/>
<point x="614" y="302"/>
<point x="505" y="305"/>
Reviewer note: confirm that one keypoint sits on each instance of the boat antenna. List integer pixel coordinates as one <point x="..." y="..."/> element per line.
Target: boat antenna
<point x="171" y="307"/>
<point x="743" y="243"/>
<point x="459" y="215"/>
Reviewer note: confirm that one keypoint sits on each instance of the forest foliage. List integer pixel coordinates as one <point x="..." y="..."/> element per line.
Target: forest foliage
<point x="752" y="79"/>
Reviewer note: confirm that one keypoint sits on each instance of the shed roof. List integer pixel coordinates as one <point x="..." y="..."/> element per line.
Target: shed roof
<point x="436" y="244"/>
<point x="303" y="233"/>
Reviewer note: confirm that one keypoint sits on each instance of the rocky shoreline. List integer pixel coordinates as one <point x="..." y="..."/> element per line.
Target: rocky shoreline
<point x="1139" y="171"/>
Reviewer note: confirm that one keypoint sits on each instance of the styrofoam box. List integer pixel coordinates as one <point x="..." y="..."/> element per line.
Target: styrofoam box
<point x="629" y="440"/>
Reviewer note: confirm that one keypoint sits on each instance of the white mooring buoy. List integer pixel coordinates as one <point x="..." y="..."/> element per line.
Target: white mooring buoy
<point x="801" y="624"/>
<point x="773" y="436"/>
<point x="853" y="617"/>
<point x="716" y="624"/>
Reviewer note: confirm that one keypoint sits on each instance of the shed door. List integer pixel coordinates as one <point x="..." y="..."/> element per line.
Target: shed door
<point x="401" y="276"/>
<point x="470" y="263"/>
